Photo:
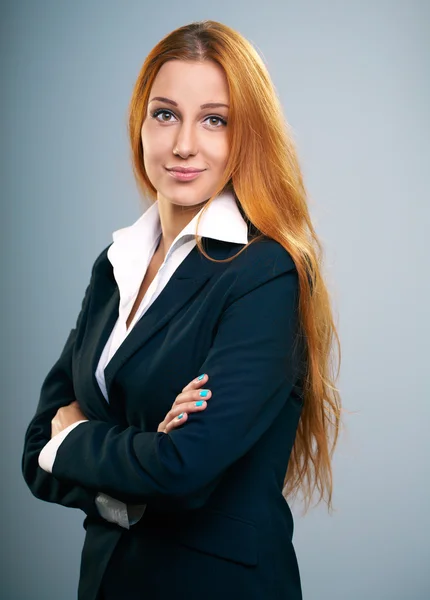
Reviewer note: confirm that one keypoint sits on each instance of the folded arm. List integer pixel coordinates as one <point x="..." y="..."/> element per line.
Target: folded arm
<point x="252" y="367"/>
<point x="109" y="508"/>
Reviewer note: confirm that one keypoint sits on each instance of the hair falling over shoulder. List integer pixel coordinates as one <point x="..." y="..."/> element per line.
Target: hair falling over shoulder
<point x="264" y="173"/>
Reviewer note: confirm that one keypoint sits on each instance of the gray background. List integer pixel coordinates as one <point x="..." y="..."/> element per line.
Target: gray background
<point x="354" y="82"/>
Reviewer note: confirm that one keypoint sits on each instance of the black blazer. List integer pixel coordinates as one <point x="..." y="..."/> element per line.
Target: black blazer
<point x="216" y="523"/>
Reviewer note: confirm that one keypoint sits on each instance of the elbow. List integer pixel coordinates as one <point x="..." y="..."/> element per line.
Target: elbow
<point x="33" y="475"/>
<point x="29" y="473"/>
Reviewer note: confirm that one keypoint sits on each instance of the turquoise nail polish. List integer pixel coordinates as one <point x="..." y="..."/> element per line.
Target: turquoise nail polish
<point x="199" y="403"/>
<point x="200" y="377"/>
<point x="180" y="416"/>
<point x="203" y="393"/>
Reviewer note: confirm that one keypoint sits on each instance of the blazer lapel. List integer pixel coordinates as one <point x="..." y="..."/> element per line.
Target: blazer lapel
<point x="187" y="280"/>
<point x="102" y="315"/>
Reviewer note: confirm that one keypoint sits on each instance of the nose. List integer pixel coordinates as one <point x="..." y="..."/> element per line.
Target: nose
<point x="185" y="143"/>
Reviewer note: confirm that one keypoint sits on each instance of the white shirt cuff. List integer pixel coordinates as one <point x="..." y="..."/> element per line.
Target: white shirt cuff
<point x="49" y="451"/>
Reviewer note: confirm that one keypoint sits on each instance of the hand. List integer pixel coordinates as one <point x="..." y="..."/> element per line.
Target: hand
<point x="185" y="401"/>
<point x="66" y="415"/>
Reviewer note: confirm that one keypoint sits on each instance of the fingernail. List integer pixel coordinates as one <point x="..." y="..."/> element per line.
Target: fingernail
<point x="203" y="393"/>
<point x="200" y="377"/>
<point x="180" y="416"/>
<point x="199" y="403"/>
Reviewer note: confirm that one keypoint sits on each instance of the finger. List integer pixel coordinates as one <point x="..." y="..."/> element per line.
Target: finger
<point x="188" y="407"/>
<point x="177" y="422"/>
<point x="188" y="398"/>
<point x="195" y="383"/>
<point x="181" y="408"/>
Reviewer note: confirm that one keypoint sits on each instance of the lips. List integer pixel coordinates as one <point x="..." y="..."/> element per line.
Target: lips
<point x="187" y="175"/>
<point x="185" y="170"/>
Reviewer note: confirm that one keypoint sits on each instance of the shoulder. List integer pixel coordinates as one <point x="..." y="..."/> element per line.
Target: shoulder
<point x="268" y="252"/>
<point x="260" y="254"/>
<point x="261" y="262"/>
<point x="265" y="258"/>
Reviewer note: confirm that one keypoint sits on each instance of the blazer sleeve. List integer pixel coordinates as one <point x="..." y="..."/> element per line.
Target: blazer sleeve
<point x="57" y="390"/>
<point x="252" y="368"/>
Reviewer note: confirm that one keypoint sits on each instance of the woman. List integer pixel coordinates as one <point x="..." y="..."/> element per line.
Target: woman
<point x="217" y="285"/>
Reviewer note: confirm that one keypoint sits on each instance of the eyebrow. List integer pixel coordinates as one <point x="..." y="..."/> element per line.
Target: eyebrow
<point x="173" y="103"/>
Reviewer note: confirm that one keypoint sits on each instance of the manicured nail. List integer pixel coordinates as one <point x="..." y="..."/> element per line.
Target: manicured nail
<point x="199" y="403"/>
<point x="203" y="393"/>
<point x="180" y="416"/>
<point x="200" y="377"/>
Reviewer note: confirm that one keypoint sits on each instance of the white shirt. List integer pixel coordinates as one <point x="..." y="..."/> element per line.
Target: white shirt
<point x="130" y="254"/>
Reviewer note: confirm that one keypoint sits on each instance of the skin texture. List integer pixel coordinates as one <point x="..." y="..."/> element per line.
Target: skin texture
<point x="183" y="135"/>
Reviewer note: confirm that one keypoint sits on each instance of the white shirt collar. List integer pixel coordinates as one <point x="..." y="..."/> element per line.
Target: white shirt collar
<point x="136" y="243"/>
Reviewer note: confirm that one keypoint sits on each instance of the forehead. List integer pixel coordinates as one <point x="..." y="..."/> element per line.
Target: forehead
<point x="185" y="81"/>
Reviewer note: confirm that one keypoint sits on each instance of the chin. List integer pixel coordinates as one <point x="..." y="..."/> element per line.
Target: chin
<point x="184" y="197"/>
<point x="189" y="202"/>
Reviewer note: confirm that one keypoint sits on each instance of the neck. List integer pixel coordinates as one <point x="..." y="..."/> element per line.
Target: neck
<point x="173" y="219"/>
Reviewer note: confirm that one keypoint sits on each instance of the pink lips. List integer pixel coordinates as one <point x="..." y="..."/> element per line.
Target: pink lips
<point x="183" y="175"/>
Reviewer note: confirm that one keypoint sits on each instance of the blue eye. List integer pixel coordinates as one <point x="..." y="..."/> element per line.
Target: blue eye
<point x="160" y="111"/>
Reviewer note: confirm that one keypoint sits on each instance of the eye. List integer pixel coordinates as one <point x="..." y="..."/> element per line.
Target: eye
<point x="222" y="121"/>
<point x="161" y="111"/>
<point x="155" y="114"/>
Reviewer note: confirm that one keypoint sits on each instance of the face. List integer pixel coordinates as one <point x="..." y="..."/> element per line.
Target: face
<point x="182" y="124"/>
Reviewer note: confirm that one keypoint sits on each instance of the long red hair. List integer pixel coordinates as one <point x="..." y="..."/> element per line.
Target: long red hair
<point x="264" y="173"/>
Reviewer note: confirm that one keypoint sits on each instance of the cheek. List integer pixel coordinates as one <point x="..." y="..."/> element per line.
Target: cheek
<point x="153" y="143"/>
<point x="155" y="149"/>
<point x="217" y="152"/>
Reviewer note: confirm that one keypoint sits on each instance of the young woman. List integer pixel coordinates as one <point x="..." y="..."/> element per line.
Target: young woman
<point x="195" y="393"/>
